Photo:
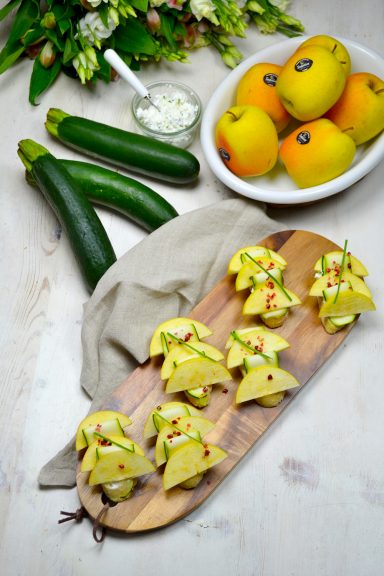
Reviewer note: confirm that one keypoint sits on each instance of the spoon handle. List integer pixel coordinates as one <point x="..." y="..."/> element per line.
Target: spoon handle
<point x="125" y="72"/>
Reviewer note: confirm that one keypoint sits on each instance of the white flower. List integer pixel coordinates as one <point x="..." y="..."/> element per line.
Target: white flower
<point x="85" y="63"/>
<point x="92" y="30"/>
<point x="96" y="3"/>
<point x="204" y="9"/>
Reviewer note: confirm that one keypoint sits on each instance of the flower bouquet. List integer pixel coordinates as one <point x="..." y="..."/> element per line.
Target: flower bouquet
<point x="70" y="36"/>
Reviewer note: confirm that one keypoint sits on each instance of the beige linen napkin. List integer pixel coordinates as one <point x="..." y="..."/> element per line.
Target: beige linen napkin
<point x="163" y="276"/>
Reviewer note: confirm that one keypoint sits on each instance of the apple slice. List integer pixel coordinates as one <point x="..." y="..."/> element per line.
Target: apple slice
<point x="348" y="302"/>
<point x="332" y="278"/>
<point x="119" y="465"/>
<point x="179" y="327"/>
<point x="264" y="299"/>
<point x="252" y="268"/>
<point x="241" y="332"/>
<point x="261" y="340"/>
<point x="263" y="381"/>
<point x="98" y="420"/>
<point x="196" y="373"/>
<point x="240" y="258"/>
<point x="333" y="260"/>
<point x="102" y="445"/>
<point x="186" y="424"/>
<point x="167" y="413"/>
<point x="179" y="353"/>
<point x="189" y="460"/>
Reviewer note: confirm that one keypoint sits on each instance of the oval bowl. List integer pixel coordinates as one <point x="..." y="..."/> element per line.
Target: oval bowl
<point x="276" y="187"/>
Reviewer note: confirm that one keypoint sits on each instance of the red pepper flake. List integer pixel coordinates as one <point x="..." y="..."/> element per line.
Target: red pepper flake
<point x="327" y="269"/>
<point x="178" y="433"/>
<point x="329" y="284"/>
<point x="208" y="482"/>
<point x="267" y="306"/>
<point x="188" y="425"/>
<point x="348" y="253"/>
<point x="270" y="284"/>
<point x="207" y="452"/>
<point x="205" y="389"/>
<point x="121" y="466"/>
<point x="169" y="436"/>
<point x="188" y="336"/>
<point x="275" y="305"/>
<point x="349" y="265"/>
<point x="225" y="391"/>
<point x="270" y="377"/>
<point x="98" y="427"/>
<point x="174" y="421"/>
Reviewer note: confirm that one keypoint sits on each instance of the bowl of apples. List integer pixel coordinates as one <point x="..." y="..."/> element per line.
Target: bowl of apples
<point x="298" y="121"/>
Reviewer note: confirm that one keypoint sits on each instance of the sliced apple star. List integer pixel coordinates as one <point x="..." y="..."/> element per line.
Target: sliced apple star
<point x="189" y="460"/>
<point x="108" y="421"/>
<point x="195" y="373"/>
<point x="240" y="257"/>
<point x="184" y="328"/>
<point x="264" y="381"/>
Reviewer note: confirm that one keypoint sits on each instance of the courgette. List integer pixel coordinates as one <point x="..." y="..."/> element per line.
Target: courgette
<point x="138" y="202"/>
<point x="127" y="149"/>
<point x="88" y="238"/>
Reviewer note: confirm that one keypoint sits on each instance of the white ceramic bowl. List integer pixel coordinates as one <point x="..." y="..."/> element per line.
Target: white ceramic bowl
<point x="276" y="187"/>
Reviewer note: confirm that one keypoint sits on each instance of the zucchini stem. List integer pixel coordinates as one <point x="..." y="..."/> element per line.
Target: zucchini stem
<point x="29" y="151"/>
<point x="54" y="118"/>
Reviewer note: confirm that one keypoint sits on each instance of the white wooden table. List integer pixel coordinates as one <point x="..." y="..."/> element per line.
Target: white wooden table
<point x="309" y="499"/>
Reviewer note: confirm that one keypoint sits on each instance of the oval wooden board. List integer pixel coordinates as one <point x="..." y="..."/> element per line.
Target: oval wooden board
<point x="238" y="427"/>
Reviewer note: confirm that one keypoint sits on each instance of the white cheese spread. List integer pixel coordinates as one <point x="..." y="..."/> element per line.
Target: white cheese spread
<point x="175" y="112"/>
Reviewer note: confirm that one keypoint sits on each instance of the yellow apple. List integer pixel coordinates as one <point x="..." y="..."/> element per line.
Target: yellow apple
<point x="247" y="141"/>
<point x="104" y="422"/>
<point x="333" y="45"/>
<point x="258" y="88"/>
<point x="359" y="112"/>
<point x="317" y="152"/>
<point x="310" y="82"/>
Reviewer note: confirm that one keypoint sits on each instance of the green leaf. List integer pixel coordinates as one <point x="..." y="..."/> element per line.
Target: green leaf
<point x="167" y="30"/>
<point x="140" y="4"/>
<point x="8" y="8"/>
<point x="33" y="36"/>
<point x="70" y="49"/>
<point x="9" y="55"/>
<point x="103" y="13"/>
<point x="25" y="17"/>
<point x="64" y="25"/>
<point x="104" y="71"/>
<point x="132" y="37"/>
<point x="42" y="78"/>
<point x="55" y="39"/>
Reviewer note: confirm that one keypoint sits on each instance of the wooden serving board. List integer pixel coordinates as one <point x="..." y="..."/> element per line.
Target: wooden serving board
<point x="237" y="427"/>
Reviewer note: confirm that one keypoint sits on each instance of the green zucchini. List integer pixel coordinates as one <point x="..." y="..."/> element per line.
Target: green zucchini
<point x="126" y="195"/>
<point x="88" y="238"/>
<point x="127" y="149"/>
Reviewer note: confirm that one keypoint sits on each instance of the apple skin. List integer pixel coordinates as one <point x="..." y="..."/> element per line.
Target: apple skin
<point x="258" y="88"/>
<point x="247" y="140"/>
<point x="325" y="153"/>
<point x="310" y="82"/>
<point x="333" y="45"/>
<point x="360" y="109"/>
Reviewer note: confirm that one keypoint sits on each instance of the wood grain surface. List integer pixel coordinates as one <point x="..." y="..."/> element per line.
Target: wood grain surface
<point x="237" y="427"/>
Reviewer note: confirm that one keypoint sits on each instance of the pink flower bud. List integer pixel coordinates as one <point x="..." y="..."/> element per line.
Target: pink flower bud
<point x="47" y="55"/>
<point x="153" y="20"/>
